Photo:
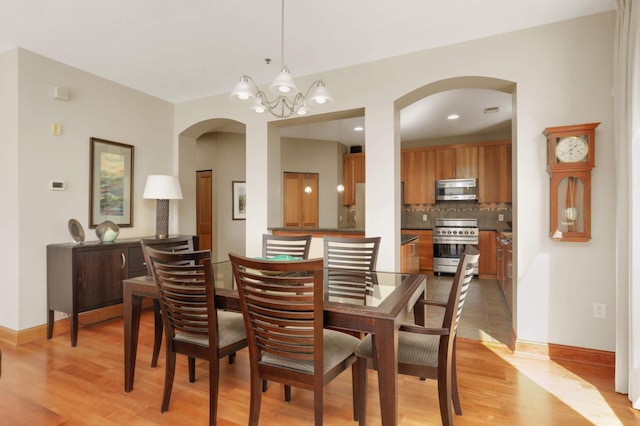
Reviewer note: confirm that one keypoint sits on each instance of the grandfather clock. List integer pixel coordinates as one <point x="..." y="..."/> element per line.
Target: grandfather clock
<point x="570" y="158"/>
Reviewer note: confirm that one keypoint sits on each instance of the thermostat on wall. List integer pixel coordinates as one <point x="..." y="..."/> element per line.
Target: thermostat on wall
<point x="57" y="185"/>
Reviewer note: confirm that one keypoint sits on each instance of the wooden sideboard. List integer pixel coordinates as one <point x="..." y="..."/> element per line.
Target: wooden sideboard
<point x="86" y="276"/>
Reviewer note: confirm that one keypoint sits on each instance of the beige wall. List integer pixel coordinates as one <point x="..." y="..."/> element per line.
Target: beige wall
<point x="9" y="214"/>
<point x="97" y="108"/>
<point x="559" y="75"/>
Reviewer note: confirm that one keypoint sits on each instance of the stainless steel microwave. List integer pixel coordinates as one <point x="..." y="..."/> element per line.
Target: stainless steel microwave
<point x="456" y="189"/>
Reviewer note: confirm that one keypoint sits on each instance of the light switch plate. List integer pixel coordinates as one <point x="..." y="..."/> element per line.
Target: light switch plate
<point x="57" y="185"/>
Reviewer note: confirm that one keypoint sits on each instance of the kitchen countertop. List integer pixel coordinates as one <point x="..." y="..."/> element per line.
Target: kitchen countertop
<point x="312" y="230"/>
<point x="404" y="238"/>
<point x="407" y="238"/>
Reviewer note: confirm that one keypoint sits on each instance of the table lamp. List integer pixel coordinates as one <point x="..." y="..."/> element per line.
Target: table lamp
<point x="162" y="188"/>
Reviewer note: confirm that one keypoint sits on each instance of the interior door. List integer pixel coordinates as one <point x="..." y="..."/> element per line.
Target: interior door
<point x="204" y="209"/>
<point x="300" y="209"/>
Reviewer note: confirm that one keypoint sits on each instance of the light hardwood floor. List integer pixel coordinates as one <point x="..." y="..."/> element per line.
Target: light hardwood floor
<point x="50" y="383"/>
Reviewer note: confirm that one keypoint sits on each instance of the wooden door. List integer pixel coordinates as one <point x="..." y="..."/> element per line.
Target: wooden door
<point x="309" y="210"/>
<point x="292" y="200"/>
<point x="204" y="209"/>
<point x="300" y="209"/>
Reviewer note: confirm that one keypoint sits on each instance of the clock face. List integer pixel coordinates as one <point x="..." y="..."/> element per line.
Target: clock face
<point x="571" y="149"/>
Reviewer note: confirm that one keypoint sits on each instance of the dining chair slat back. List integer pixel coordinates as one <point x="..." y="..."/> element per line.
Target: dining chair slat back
<point x="282" y="305"/>
<point x="428" y="352"/>
<point x="350" y="264"/>
<point x="288" y="245"/>
<point x="351" y="253"/>
<point x="172" y="244"/>
<point x="193" y="326"/>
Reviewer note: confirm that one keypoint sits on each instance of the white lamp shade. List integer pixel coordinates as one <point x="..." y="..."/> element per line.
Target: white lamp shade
<point x="303" y="110"/>
<point x="243" y="90"/>
<point x="319" y="95"/>
<point x="162" y="187"/>
<point x="257" y="106"/>
<point x="284" y="84"/>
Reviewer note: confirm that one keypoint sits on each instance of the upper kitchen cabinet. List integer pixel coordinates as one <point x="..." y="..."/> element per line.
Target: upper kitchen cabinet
<point x="419" y="176"/>
<point x="457" y="163"/>
<point x="494" y="173"/>
<point x="353" y="171"/>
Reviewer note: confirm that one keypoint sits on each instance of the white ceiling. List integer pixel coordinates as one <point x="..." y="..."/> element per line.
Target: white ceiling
<point x="181" y="50"/>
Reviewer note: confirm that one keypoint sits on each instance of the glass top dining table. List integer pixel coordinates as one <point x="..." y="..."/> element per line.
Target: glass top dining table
<point x="369" y="302"/>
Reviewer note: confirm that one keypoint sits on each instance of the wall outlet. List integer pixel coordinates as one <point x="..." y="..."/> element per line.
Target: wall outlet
<point x="599" y="310"/>
<point x="424" y="218"/>
<point x="500" y="218"/>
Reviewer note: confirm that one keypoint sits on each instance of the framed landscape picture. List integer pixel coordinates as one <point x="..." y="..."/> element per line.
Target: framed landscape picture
<point x="239" y="191"/>
<point x="110" y="183"/>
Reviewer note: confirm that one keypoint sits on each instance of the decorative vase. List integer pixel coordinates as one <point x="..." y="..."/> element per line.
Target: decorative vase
<point x="107" y="231"/>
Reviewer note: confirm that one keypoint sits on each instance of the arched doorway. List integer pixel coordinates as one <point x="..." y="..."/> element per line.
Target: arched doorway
<point x="435" y="101"/>
<point x="217" y="145"/>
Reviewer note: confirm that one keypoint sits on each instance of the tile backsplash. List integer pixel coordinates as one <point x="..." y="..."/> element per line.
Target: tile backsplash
<point x="486" y="213"/>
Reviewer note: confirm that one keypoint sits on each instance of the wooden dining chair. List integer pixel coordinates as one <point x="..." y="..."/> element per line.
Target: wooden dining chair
<point x="173" y="244"/>
<point x="193" y="326"/>
<point x="427" y="352"/>
<point x="288" y="245"/>
<point x="283" y="316"/>
<point x="351" y="253"/>
<point x="274" y="246"/>
<point x="350" y="264"/>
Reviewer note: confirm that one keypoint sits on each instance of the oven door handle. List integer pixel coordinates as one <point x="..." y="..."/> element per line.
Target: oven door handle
<point x="454" y="240"/>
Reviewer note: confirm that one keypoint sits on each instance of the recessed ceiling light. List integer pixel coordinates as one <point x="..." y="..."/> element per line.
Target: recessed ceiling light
<point x="358" y="128"/>
<point x="453" y="117"/>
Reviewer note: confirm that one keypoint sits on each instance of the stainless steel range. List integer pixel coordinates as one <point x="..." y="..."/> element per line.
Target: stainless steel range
<point x="450" y="237"/>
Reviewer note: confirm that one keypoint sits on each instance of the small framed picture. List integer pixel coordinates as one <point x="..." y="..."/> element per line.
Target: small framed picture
<point x="239" y="191"/>
<point x="110" y="183"/>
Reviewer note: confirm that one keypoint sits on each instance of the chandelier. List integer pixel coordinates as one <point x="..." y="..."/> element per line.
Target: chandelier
<point x="289" y="100"/>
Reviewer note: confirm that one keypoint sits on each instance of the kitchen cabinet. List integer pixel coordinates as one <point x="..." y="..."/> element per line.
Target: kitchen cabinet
<point x="409" y="257"/>
<point x="500" y="263"/>
<point x="419" y="176"/>
<point x="467" y="162"/>
<point x="425" y="248"/>
<point x="300" y="210"/>
<point x="494" y="173"/>
<point x="487" y="264"/>
<point x="457" y="163"/>
<point x="508" y="271"/>
<point x="353" y="171"/>
<point x="504" y="255"/>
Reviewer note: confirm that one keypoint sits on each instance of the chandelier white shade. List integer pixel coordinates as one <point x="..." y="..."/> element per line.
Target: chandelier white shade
<point x="289" y="100"/>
